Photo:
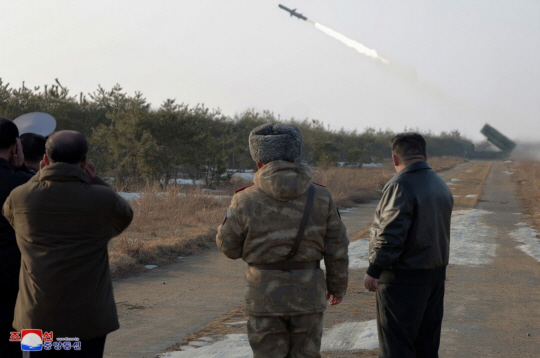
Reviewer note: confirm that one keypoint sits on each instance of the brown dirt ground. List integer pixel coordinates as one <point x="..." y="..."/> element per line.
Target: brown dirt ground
<point x="490" y="310"/>
<point x="358" y="305"/>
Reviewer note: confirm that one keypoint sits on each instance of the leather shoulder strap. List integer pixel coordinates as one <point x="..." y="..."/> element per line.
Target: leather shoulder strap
<point x="303" y="223"/>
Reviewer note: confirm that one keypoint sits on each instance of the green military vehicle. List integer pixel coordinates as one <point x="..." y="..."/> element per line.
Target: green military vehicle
<point x="499" y="140"/>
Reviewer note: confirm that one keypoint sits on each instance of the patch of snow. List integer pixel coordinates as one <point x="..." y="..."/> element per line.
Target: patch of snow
<point x="181" y="257"/>
<point x="219" y="197"/>
<point x="234" y="345"/>
<point x="151" y="266"/>
<point x="344" y="336"/>
<point x="529" y="238"/>
<point x="130" y="196"/>
<point x="371" y="165"/>
<point x="236" y="323"/>
<point x="471" y="196"/>
<point x="521" y="224"/>
<point x="136" y="196"/>
<point x="244" y="176"/>
<point x="212" y="190"/>
<point x="456" y="196"/>
<point x="206" y="339"/>
<point x="198" y="343"/>
<point x="351" y="336"/>
<point x="184" y="348"/>
<point x="454" y="180"/>
<point x="470" y="242"/>
<point x="232" y="171"/>
<point x="187" y="181"/>
<point x="358" y="255"/>
<point x="216" y="197"/>
<point x="507" y="172"/>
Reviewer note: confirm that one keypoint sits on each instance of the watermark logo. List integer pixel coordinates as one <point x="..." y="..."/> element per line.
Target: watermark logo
<point x="37" y="340"/>
<point x="31" y="340"/>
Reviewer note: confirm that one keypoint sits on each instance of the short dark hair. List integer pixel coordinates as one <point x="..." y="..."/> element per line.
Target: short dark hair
<point x="408" y="146"/>
<point x="33" y="146"/>
<point x="66" y="147"/>
<point x="8" y="133"/>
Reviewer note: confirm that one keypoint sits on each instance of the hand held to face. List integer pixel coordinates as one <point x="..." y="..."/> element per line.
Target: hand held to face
<point x="17" y="158"/>
<point x="90" y="169"/>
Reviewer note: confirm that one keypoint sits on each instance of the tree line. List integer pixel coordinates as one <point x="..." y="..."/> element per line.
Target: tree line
<point x="134" y="144"/>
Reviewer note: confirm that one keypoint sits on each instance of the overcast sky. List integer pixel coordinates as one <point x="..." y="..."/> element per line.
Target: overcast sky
<point x="454" y="65"/>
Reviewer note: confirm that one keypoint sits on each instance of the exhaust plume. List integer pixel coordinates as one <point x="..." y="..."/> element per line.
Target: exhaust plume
<point x="364" y="50"/>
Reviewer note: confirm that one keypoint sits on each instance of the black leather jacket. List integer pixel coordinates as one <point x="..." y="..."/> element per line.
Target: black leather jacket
<point x="411" y="228"/>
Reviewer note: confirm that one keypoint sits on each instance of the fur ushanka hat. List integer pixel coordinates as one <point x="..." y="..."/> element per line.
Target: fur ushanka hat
<point x="271" y="142"/>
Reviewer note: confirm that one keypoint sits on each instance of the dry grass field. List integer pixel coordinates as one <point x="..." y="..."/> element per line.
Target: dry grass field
<point x="350" y="186"/>
<point x="180" y="221"/>
<point x="166" y="225"/>
<point x="527" y="178"/>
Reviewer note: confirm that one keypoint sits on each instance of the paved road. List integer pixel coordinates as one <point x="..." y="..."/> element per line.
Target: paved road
<point x="158" y="308"/>
<point x="493" y="310"/>
<point x="490" y="308"/>
<point x="155" y="315"/>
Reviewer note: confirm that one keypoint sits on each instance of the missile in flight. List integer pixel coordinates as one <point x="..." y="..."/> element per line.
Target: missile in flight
<point x="293" y="12"/>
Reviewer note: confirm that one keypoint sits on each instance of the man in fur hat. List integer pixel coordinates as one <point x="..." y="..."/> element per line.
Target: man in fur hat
<point x="282" y="226"/>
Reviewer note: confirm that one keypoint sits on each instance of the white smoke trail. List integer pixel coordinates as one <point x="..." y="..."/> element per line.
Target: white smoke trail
<point x="450" y="105"/>
<point x="351" y="43"/>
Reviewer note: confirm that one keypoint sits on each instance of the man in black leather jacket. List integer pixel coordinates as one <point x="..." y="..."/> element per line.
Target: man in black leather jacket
<point x="408" y="254"/>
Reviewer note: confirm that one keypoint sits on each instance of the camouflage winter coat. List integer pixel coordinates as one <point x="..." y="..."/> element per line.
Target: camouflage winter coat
<point x="260" y="227"/>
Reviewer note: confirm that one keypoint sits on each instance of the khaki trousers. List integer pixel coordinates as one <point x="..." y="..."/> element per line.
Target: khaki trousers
<point x="286" y="336"/>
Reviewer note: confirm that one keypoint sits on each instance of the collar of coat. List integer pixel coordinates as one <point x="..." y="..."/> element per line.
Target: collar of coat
<point x="64" y="172"/>
<point x="416" y="166"/>
<point x="5" y="164"/>
<point x="283" y="180"/>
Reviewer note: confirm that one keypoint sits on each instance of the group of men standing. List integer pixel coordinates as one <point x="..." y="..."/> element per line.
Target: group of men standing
<point x="283" y="225"/>
<point x="57" y="223"/>
<point x="54" y="232"/>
